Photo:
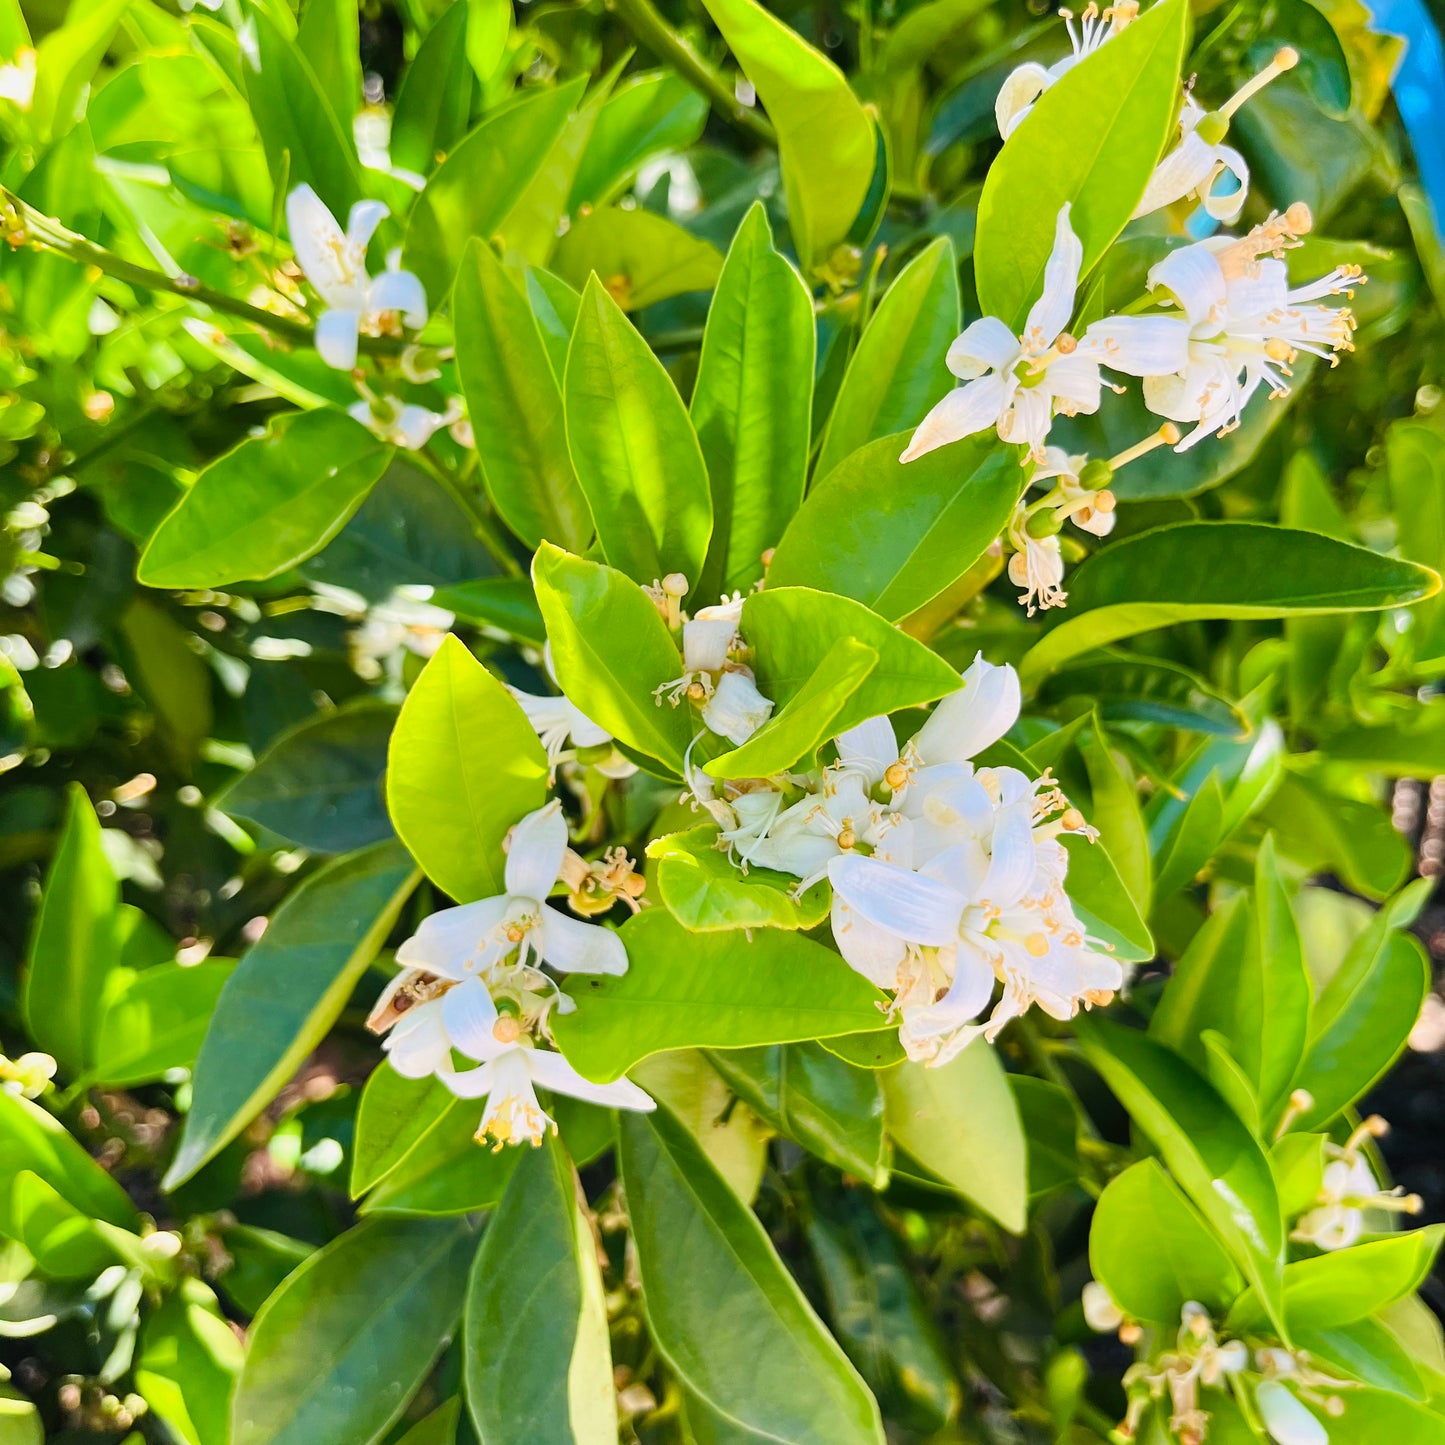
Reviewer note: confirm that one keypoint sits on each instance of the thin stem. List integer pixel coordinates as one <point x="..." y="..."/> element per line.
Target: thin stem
<point x="647" y="24"/>
<point x="24" y="224"/>
<point x="466" y="498"/>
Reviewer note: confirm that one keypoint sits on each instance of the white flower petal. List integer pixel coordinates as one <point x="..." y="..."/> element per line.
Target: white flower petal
<point x="456" y="942"/>
<point x="1227" y="206"/>
<point x="908" y="905"/>
<point x="335" y="338"/>
<point x="1074" y="380"/>
<point x="1179" y="174"/>
<point x="871" y="747"/>
<point x="1051" y="312"/>
<point x="552" y="1071"/>
<point x="984" y="345"/>
<point x="1193" y="276"/>
<point x="1139" y="345"/>
<point x="964" y="412"/>
<point x="866" y="948"/>
<point x="361" y="224"/>
<point x="470" y="1083"/>
<point x="572" y="946"/>
<point x="1012" y="864"/>
<point x="418" y="1044"/>
<point x="967" y="996"/>
<point x="322" y="251"/>
<point x="1027" y="421"/>
<point x="736" y="709"/>
<point x="402" y="292"/>
<point x="469" y="1014"/>
<point x="1286" y="1419"/>
<point x="705" y="643"/>
<point x="1016" y="96"/>
<point x="534" y="858"/>
<point x="973" y="718"/>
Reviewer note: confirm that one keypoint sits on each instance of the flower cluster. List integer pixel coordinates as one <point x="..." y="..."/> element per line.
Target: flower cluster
<point x="473" y="983"/>
<point x="1219" y="321"/>
<point x="1349" y="1191"/>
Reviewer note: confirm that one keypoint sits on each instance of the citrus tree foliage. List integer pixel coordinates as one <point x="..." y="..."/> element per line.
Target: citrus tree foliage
<point x="699" y="714"/>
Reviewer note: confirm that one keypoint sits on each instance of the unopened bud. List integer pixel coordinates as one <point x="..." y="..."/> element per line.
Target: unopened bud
<point x="1043" y="523"/>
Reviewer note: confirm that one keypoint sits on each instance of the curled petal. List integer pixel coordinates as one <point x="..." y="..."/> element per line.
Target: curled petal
<point x="1016" y="96"/>
<point x="1193" y="276"/>
<point x="973" y="718"/>
<point x="1074" y="380"/>
<point x="1139" y="345"/>
<point x="962" y="413"/>
<point x="1182" y="172"/>
<point x="553" y="1072"/>
<point x="984" y="345"/>
<point x="1226" y="207"/>
<point x="402" y="292"/>
<point x="1051" y="312"/>
<point x="534" y="858"/>
<point x="361" y="224"/>
<point x="336" y="337"/>
<point x="871" y="748"/>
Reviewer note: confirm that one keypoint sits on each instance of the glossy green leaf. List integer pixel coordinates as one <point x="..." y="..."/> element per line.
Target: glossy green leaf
<point x="612" y="651"/>
<point x="328" y="35"/>
<point x="374" y="1308"/>
<point x="506" y="603"/>
<point x="475" y="188"/>
<point x="1104" y="905"/>
<point x="302" y="136"/>
<point x="633" y="447"/>
<point x="157" y="1021"/>
<point x="464" y="766"/>
<point x="1116" y="813"/>
<point x="286" y="992"/>
<point x="187" y="1365"/>
<point x="516" y="406"/>
<point x="647" y="114"/>
<point x="1362" y="1026"/>
<point x="876" y="1310"/>
<point x="1198" y="831"/>
<point x="435" y="98"/>
<point x="897" y="372"/>
<point x="791" y="630"/>
<point x="832" y="1108"/>
<point x="1209" y="1152"/>
<point x="825" y="140"/>
<point x="1050" y="1123"/>
<point x="73" y="946"/>
<point x="1153" y="1253"/>
<point x="538" y="1364"/>
<point x="63" y="1240"/>
<point x="1298" y="1161"/>
<point x="1219" y="569"/>
<point x="685" y="990"/>
<point x="1345" y="1285"/>
<point x="706" y="891"/>
<point x="961" y="1122"/>
<point x="752" y="404"/>
<point x="393" y="1114"/>
<point x="1091" y="142"/>
<point x="319" y="785"/>
<point x="269" y="504"/>
<point x="893" y="536"/>
<point x="723" y="1310"/>
<point x="641" y="257"/>
<point x="796" y="731"/>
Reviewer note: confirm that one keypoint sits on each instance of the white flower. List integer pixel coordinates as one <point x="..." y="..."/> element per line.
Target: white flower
<point x="1201" y="157"/>
<point x="471" y="940"/>
<point x="1019" y="383"/>
<point x="1287" y="1421"/>
<point x="724" y="691"/>
<point x="335" y="264"/>
<point x="559" y="721"/>
<point x="1029" y="81"/>
<point x="1037" y="563"/>
<point x="1348" y="1189"/>
<point x="1101" y="1314"/>
<point x="29" y="1075"/>
<point x="736" y="709"/>
<point x="405" y="619"/>
<point x="508" y="1076"/>
<point x="403" y="424"/>
<point x="1245" y="326"/>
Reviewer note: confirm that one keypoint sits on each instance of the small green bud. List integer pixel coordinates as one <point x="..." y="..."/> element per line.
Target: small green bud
<point x="1045" y="523"/>
<point x="1096" y="473"/>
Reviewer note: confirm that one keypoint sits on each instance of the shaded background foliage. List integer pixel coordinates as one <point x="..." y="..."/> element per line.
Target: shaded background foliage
<point x="157" y="702"/>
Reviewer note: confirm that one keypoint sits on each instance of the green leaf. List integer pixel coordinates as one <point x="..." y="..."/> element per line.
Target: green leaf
<point x="641" y="257"/>
<point x="1104" y="905"/>
<point x="515" y="405"/>
<point x="806" y="721"/>
<point x="66" y="61"/>
<point x="752" y="403"/>
<point x="286" y="992"/>
<point x="1091" y="141"/>
<point x="319" y="785"/>
<point x="1346" y="1285"/>
<point x="507" y="603"/>
<point x="1050" y="1123"/>
<point x="63" y="1240"/>
<point x="1362" y="1025"/>
<point x="633" y="447"/>
<point x="791" y="630"/>
<point x="301" y="134"/>
<point x="554" y="307"/>
<point x="1116" y="813"/>
<point x="825" y="140"/>
<point x="464" y="766"/>
<point x="961" y="1123"/>
<point x="1196" y="570"/>
<point x="269" y="504"/>
<point x="435" y="98"/>
<point x="898" y="372"/>
<point x="73" y="947"/>
<point x="392" y="1116"/>
<point x="685" y="990"/>
<point x="647" y="114"/>
<point x="373" y="1310"/>
<point x="34" y="1142"/>
<point x="475" y="188"/>
<point x="538" y="1365"/>
<point x="1153" y="1253"/>
<point x="723" y="1310"/>
<point x="877" y="1311"/>
<point x="157" y="1022"/>
<point x="1197" y="833"/>
<point x="611" y="651"/>
<point x="1210" y="1153"/>
<point x="187" y="1365"/>
<point x="893" y="536"/>
<point x="707" y="892"/>
<point x="328" y="35"/>
<point x="832" y="1108"/>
